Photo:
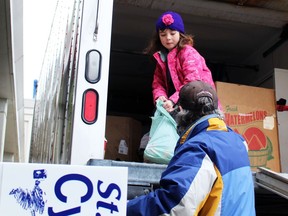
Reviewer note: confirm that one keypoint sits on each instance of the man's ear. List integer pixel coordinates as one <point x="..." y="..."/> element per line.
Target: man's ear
<point x="180" y="108"/>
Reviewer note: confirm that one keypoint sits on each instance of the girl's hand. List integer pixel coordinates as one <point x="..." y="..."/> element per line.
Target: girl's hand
<point x="162" y="98"/>
<point x="168" y="105"/>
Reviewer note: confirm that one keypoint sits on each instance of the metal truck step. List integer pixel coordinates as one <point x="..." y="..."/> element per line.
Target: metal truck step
<point x="142" y="177"/>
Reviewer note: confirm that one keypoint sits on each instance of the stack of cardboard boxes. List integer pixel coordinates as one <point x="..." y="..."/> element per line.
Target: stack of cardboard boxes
<point x="123" y="136"/>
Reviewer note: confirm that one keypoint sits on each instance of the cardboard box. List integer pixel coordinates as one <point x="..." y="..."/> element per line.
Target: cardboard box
<point x="47" y="189"/>
<point x="251" y="111"/>
<point x="123" y="136"/>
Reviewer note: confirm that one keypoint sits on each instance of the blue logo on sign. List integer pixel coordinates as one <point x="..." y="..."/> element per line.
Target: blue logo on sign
<point x="31" y="200"/>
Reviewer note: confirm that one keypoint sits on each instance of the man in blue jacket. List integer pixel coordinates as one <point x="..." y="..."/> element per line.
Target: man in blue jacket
<point x="209" y="173"/>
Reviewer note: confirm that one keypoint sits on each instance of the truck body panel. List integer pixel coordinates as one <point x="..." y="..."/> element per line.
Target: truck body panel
<point x="70" y="105"/>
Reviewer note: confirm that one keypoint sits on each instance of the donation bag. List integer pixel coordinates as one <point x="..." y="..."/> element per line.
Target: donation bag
<point x="163" y="137"/>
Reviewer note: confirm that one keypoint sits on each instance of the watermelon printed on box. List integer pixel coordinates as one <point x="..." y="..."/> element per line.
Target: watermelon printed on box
<point x="251" y="112"/>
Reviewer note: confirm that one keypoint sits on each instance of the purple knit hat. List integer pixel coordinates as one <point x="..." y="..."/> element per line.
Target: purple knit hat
<point x="170" y="20"/>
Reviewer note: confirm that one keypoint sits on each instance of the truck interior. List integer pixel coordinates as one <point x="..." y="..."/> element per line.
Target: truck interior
<point x="227" y="33"/>
<point x="232" y="35"/>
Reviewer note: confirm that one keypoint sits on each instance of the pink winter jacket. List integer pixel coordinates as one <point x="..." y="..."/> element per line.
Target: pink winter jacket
<point x="185" y="66"/>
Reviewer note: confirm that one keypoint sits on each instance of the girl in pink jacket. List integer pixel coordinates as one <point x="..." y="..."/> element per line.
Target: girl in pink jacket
<point x="177" y="62"/>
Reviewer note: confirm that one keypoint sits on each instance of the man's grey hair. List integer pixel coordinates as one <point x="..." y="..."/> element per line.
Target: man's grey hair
<point x="186" y="117"/>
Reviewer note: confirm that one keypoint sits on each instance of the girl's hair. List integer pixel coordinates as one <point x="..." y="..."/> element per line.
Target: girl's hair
<point x="155" y="43"/>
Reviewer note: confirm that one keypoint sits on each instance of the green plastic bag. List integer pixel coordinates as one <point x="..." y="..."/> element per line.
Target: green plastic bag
<point x="163" y="137"/>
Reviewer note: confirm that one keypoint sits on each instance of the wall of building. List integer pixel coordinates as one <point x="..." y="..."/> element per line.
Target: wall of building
<point x="28" y="120"/>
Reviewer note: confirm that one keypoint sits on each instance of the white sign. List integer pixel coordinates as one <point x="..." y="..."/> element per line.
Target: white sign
<point x="62" y="190"/>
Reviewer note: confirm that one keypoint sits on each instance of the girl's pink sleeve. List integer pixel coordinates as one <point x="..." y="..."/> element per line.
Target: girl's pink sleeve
<point x="193" y="67"/>
<point x="158" y="84"/>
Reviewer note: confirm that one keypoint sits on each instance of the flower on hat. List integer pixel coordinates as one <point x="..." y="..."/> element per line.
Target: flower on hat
<point x="167" y="19"/>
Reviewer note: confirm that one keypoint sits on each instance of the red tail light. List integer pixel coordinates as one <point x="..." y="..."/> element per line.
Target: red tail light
<point x="89" y="106"/>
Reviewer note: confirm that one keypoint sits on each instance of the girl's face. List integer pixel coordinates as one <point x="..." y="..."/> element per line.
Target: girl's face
<point x="169" y="38"/>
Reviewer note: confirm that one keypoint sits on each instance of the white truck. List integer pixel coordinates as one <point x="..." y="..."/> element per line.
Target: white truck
<point x="70" y="105"/>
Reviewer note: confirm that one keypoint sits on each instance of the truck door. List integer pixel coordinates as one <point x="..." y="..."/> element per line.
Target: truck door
<point x="92" y="81"/>
<point x="70" y="105"/>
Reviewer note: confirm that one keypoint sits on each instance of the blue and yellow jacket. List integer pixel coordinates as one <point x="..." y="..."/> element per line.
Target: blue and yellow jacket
<point x="209" y="175"/>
